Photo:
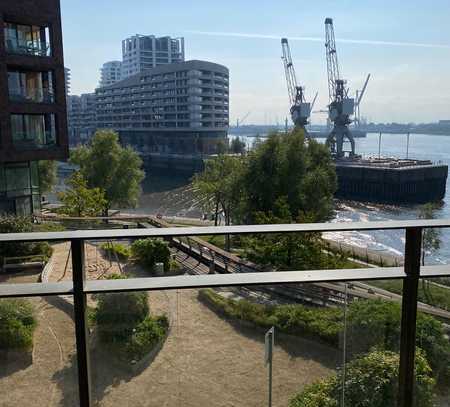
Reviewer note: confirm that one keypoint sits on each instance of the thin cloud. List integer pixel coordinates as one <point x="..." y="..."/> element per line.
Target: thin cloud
<point x="318" y="39"/>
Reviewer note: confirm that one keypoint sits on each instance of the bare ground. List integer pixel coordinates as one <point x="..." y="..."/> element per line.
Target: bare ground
<point x="205" y="361"/>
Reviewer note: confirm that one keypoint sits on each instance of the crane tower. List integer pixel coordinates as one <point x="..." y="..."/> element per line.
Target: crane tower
<point x="341" y="107"/>
<point x="300" y="109"/>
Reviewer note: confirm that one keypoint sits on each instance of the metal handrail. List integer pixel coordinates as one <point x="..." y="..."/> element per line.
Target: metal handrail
<point x="224" y="230"/>
<point x="410" y="273"/>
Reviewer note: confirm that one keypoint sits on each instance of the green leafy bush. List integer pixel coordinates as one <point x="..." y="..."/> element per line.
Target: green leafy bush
<point x="18" y="224"/>
<point x="371" y="324"/>
<point x="118" y="314"/>
<point x="371" y="381"/>
<point x="17" y="324"/>
<point x="123" y="252"/>
<point x="148" y="252"/>
<point x="124" y="322"/>
<point x="322" y="323"/>
<point x="146" y="336"/>
<point x="377" y="323"/>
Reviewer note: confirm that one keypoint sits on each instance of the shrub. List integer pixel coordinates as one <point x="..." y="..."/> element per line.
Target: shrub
<point x="123" y="252"/>
<point x="377" y="323"/>
<point x="371" y="381"/>
<point x="118" y="314"/>
<point x="146" y="336"/>
<point x="19" y="224"/>
<point x="148" y="252"/>
<point x="17" y="324"/>
<point x="322" y="323"/>
<point x="124" y="321"/>
<point x="371" y="324"/>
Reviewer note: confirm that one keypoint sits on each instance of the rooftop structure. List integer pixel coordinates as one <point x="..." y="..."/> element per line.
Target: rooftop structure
<point x="179" y="108"/>
<point x="142" y="52"/>
<point x="32" y="99"/>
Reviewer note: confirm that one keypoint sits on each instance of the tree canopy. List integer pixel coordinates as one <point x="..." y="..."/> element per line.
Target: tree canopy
<point x="218" y="186"/>
<point x="79" y="200"/>
<point x="287" y="167"/>
<point x="107" y="165"/>
<point x="284" y="168"/>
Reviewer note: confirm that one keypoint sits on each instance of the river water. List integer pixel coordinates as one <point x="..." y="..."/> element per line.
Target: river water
<point x="172" y="196"/>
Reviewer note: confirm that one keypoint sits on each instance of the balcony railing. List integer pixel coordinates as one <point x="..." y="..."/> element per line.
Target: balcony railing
<point x="37" y="95"/>
<point x="80" y="287"/>
<point x="36" y="48"/>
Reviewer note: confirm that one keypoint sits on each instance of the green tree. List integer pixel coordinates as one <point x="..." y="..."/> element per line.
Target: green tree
<point x="47" y="175"/>
<point x="219" y="185"/>
<point x="285" y="166"/>
<point x="285" y="251"/>
<point x="371" y="381"/>
<point x="431" y="242"/>
<point x="431" y="239"/>
<point x="106" y="164"/>
<point x="237" y="146"/>
<point x="79" y="200"/>
<point x="221" y="147"/>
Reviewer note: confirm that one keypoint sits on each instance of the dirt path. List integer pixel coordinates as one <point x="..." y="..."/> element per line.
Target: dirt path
<point x="39" y="383"/>
<point x="206" y="361"/>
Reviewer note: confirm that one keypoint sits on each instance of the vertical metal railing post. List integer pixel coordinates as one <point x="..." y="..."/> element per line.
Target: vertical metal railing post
<point x="413" y="246"/>
<point x="81" y="325"/>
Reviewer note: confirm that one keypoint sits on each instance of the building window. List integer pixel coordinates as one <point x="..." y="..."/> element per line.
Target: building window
<point x="31" y="86"/>
<point x="33" y="131"/>
<point x="27" y="39"/>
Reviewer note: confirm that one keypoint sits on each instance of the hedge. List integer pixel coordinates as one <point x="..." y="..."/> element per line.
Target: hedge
<point x="17" y="324"/>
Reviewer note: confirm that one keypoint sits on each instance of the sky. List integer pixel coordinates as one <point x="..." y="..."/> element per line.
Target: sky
<point x="405" y="46"/>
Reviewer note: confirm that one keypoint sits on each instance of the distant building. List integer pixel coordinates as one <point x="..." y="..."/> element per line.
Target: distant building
<point x="142" y="52"/>
<point x="33" y="113"/>
<point x="444" y="122"/>
<point x="67" y="77"/>
<point x="81" y="117"/>
<point x="179" y="108"/>
<point x="110" y="73"/>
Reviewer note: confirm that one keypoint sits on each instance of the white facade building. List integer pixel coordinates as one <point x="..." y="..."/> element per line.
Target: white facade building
<point x="110" y="73"/>
<point x="143" y="52"/>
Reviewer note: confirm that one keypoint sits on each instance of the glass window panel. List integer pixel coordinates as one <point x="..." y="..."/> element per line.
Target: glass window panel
<point x="17" y="178"/>
<point x="17" y="127"/>
<point x="23" y="206"/>
<point x="34" y="174"/>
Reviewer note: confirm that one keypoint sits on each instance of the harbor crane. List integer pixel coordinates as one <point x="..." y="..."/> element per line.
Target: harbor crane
<point x="240" y="121"/>
<point x="358" y="98"/>
<point x="300" y="109"/>
<point x="341" y="106"/>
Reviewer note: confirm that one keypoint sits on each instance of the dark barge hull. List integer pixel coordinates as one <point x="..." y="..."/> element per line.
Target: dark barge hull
<point x="416" y="184"/>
